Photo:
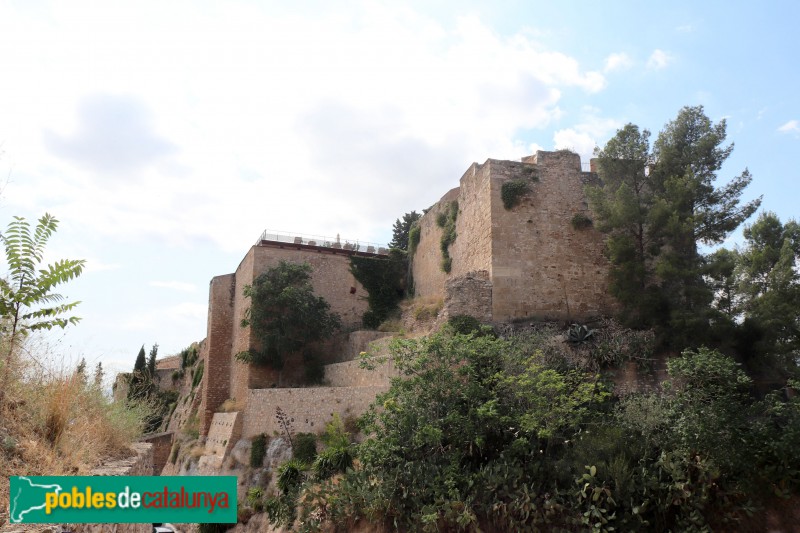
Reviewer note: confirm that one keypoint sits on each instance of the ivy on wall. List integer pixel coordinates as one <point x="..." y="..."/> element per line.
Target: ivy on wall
<point x="384" y="280"/>
<point x="447" y="221"/>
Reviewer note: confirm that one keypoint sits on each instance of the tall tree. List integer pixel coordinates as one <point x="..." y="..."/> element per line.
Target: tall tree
<point x="769" y="281"/>
<point x="98" y="375"/>
<point x="691" y="210"/>
<point x="657" y="208"/>
<point x="622" y="207"/>
<point x="151" y="361"/>
<point x="401" y="229"/>
<point x="27" y="300"/>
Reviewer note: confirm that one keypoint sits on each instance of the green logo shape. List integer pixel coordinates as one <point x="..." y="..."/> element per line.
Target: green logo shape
<point x="122" y="499"/>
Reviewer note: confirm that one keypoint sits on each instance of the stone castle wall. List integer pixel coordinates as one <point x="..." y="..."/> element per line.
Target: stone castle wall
<point x="226" y="376"/>
<point x="310" y="408"/>
<point x="526" y="262"/>
<point x="507" y="264"/>
<point x="543" y="267"/>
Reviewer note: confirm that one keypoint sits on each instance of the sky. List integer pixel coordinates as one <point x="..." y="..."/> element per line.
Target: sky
<point x="166" y="136"/>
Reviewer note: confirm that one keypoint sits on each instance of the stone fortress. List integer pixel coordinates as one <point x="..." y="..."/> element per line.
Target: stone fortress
<point x="531" y="261"/>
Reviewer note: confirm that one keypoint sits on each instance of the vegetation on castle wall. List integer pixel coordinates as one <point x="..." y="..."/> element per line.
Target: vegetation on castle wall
<point x="285" y="315"/>
<point x="446" y="220"/>
<point x="384" y="280"/>
<point x="512" y="191"/>
<point x="413" y="239"/>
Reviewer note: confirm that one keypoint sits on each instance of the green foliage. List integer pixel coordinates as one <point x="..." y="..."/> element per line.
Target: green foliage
<point x="332" y="461"/>
<point x="188" y="356"/>
<point x="402" y="229"/>
<point x="464" y="324"/>
<point x="280" y="510"/>
<point x="284" y="314"/>
<point x="512" y="191"/>
<point x="656" y="207"/>
<point x="27" y="300"/>
<point x="581" y="221"/>
<point x="579" y="334"/>
<point x="470" y="411"/>
<point x="446" y="219"/>
<point x="305" y="447"/>
<point x="290" y="476"/>
<point x="255" y="498"/>
<point x="258" y="450"/>
<point x="336" y="434"/>
<point x="413" y="239"/>
<point x="197" y="374"/>
<point x="384" y="280"/>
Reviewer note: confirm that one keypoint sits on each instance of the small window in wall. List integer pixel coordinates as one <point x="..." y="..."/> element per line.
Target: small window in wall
<point x="352" y="290"/>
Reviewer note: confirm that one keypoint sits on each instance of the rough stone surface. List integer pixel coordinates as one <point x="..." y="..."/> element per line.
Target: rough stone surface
<point x="310" y="408"/>
<point x="226" y="428"/>
<point x="538" y="264"/>
<point x="470" y="294"/>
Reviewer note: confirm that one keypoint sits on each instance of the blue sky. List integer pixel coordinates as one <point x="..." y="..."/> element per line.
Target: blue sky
<point x="165" y="136"/>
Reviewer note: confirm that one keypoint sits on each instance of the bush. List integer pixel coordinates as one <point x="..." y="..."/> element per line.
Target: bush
<point x="581" y="221"/>
<point x="512" y="192"/>
<point x="305" y="447"/>
<point x="197" y="374"/>
<point x="258" y="451"/>
<point x="331" y="461"/>
<point x="464" y="324"/>
<point x="290" y="476"/>
<point x="414" y="235"/>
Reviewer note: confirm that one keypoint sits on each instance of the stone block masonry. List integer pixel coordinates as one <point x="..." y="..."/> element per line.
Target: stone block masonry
<point x="526" y="262"/>
<point x="310" y="408"/>
<point x="226" y="429"/>
<point x="533" y="262"/>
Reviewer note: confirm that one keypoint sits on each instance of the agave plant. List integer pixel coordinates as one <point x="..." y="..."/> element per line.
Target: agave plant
<point x="578" y="334"/>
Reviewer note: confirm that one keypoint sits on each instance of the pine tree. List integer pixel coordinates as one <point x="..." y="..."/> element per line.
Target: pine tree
<point x="98" y="375"/>
<point x="401" y="229"/>
<point x="151" y="361"/>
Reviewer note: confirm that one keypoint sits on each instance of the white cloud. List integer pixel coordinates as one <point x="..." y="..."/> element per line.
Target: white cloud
<point x="658" y="60"/>
<point x="171" y="316"/>
<point x="212" y="128"/>
<point x="174" y="285"/>
<point x="585" y="136"/>
<point x="618" y="61"/>
<point x="792" y="126"/>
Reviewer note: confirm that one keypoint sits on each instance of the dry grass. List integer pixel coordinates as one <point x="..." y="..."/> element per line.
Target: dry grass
<point x="231" y="405"/>
<point x="54" y="423"/>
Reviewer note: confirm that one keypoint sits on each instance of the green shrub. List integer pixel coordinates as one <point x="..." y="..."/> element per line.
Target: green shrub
<point x="384" y="279"/>
<point x="255" y="498"/>
<point x="290" y="476"/>
<point x="414" y="235"/>
<point x="332" y="461"/>
<point x="448" y="225"/>
<point x="197" y="374"/>
<point x="258" y="451"/>
<point x="305" y="447"/>
<point x="280" y="510"/>
<point x="464" y="324"/>
<point x="512" y="192"/>
<point x="581" y="221"/>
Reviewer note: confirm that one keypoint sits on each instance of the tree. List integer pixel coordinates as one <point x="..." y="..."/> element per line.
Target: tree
<point x="656" y="209"/>
<point x="80" y="371"/>
<point x="622" y="206"/>
<point x="98" y="375"/>
<point x="27" y="300"/>
<point x="285" y="315"/>
<point x="139" y="380"/>
<point x="151" y="361"/>
<point x="691" y="210"/>
<point x="769" y="283"/>
<point x="401" y="229"/>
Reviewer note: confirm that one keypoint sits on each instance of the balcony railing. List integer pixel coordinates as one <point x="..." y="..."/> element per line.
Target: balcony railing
<point x="336" y="243"/>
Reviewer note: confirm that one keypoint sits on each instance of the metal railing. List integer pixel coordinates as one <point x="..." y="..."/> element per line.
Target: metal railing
<point x="336" y="243"/>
